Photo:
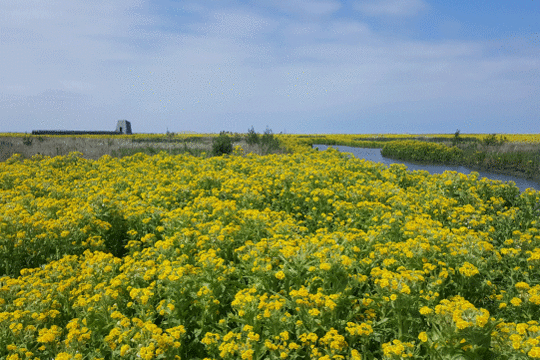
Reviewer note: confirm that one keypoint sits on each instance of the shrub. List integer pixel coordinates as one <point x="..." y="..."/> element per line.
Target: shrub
<point x="411" y="150"/>
<point x="252" y="137"/>
<point x="27" y="140"/>
<point x="456" y="138"/>
<point x="170" y="135"/>
<point x="222" y="144"/>
<point x="492" y="140"/>
<point x="269" y="142"/>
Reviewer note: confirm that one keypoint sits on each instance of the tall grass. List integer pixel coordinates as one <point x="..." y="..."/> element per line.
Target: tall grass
<point x="520" y="159"/>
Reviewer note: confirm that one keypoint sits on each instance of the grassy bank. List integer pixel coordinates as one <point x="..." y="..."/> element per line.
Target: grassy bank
<point x="517" y="155"/>
<point x="511" y="154"/>
<point x="95" y="146"/>
<point x="518" y="159"/>
<point x="301" y="143"/>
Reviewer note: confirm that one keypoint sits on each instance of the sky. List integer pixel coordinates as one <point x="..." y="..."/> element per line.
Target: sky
<point x="292" y="66"/>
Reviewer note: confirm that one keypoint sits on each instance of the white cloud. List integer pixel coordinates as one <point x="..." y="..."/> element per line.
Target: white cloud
<point x="127" y="60"/>
<point x="60" y="44"/>
<point x="394" y="8"/>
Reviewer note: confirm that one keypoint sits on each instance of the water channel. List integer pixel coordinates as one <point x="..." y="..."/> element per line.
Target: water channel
<point x="375" y="156"/>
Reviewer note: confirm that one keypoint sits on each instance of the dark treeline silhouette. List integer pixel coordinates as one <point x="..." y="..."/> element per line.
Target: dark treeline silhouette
<point x="74" y="132"/>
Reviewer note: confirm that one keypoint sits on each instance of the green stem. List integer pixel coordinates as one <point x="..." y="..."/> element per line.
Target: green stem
<point x="400" y="326"/>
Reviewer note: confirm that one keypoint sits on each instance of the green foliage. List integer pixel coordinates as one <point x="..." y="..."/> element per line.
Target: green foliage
<point x="311" y="140"/>
<point x="235" y="137"/>
<point x="422" y="151"/>
<point x="340" y="255"/>
<point x="27" y="140"/>
<point x="456" y="140"/>
<point x="269" y="142"/>
<point x="222" y="144"/>
<point x="170" y="135"/>
<point x="252" y="137"/>
<point x="526" y="163"/>
<point x="491" y="140"/>
<point x="467" y="154"/>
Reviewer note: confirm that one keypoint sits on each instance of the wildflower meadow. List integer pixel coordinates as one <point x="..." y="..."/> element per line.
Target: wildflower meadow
<point x="309" y="255"/>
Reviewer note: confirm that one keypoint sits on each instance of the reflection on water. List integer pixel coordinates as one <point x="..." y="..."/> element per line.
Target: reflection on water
<point x="375" y="156"/>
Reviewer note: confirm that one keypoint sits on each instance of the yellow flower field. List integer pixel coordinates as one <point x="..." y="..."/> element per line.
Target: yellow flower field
<point x="312" y="255"/>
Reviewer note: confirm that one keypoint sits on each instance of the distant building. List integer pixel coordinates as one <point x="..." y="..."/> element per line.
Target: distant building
<point x="122" y="127"/>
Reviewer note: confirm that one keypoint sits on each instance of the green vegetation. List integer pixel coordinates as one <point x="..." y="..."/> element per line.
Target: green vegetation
<point x="420" y="151"/>
<point x="491" y="153"/>
<point x="268" y="142"/>
<point x="27" y="140"/>
<point x="492" y="140"/>
<point x="222" y="145"/>
<point x="313" y="255"/>
<point x="120" y="153"/>
<point x="311" y="140"/>
<point x="252" y="138"/>
<point x="456" y="140"/>
<point x="265" y="144"/>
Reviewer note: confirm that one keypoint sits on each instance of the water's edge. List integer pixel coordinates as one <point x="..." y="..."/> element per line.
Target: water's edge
<point x="375" y="156"/>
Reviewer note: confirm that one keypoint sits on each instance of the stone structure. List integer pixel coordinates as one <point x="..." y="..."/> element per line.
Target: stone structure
<point x="123" y="127"/>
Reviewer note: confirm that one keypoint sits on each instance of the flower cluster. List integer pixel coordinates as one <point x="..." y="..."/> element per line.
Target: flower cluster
<point x="311" y="255"/>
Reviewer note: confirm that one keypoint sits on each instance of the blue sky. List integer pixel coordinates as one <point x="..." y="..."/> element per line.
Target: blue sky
<point x="296" y="66"/>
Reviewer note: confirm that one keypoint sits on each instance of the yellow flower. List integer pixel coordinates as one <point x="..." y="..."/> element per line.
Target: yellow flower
<point x="423" y="336"/>
<point x="482" y="320"/>
<point x="247" y="354"/>
<point x="462" y="324"/>
<point x="534" y="352"/>
<point x="522" y="286"/>
<point x="49" y="335"/>
<point x="468" y="269"/>
<point x="294" y="346"/>
<point x="325" y="266"/>
<point x="280" y="275"/>
<point x="516" y="301"/>
<point x="124" y="349"/>
<point x="425" y="310"/>
<point x="359" y="329"/>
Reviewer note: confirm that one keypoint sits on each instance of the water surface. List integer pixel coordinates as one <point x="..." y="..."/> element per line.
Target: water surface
<point x="375" y="156"/>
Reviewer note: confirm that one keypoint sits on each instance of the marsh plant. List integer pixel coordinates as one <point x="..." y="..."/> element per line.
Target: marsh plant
<point x="312" y="255"/>
<point x="252" y="138"/>
<point x="222" y="145"/>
